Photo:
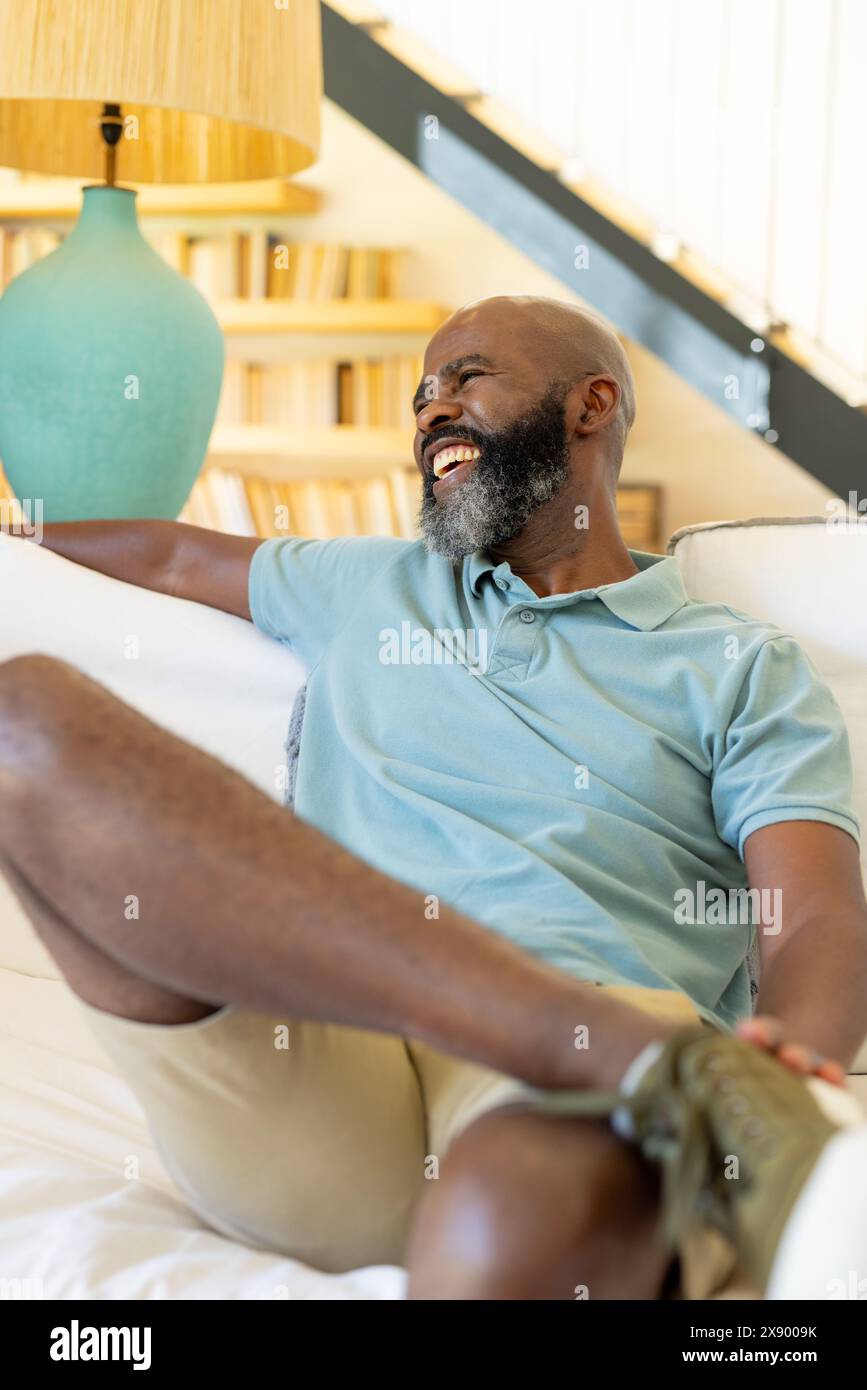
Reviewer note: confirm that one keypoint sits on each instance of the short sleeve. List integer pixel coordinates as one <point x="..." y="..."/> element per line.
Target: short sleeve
<point x="303" y="591"/>
<point x="786" y="752"/>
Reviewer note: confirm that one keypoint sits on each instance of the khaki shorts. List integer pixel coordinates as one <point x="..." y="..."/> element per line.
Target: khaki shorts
<point x="307" y="1138"/>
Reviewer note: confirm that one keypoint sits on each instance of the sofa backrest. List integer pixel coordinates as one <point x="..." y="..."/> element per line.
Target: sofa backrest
<point x="807" y="575"/>
<point x="211" y="678"/>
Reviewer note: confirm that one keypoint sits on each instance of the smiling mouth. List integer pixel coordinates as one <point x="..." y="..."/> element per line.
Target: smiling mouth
<point x="447" y="459"/>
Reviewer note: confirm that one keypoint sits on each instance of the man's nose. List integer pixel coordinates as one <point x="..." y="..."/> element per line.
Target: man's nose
<point x="436" y="414"/>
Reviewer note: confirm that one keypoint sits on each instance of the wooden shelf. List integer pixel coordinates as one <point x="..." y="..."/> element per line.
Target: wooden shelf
<point x="284" y="330"/>
<point x="321" y="451"/>
<point x="330" y="316"/>
<point x="54" y="200"/>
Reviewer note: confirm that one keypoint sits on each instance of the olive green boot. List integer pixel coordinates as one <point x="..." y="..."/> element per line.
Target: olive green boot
<point x="734" y="1133"/>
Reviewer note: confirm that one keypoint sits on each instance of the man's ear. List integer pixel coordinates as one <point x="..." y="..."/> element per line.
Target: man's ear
<point x="592" y="404"/>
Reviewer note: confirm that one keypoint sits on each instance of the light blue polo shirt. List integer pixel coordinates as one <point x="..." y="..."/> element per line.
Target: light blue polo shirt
<point x="561" y="769"/>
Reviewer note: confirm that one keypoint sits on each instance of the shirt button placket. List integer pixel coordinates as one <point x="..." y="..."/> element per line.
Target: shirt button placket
<point x="515" y="644"/>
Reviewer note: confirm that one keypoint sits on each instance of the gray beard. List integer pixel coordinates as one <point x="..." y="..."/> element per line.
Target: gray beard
<point x="521" y="469"/>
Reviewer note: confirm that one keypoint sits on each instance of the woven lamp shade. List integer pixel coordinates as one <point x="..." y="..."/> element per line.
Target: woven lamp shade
<point x="222" y="89"/>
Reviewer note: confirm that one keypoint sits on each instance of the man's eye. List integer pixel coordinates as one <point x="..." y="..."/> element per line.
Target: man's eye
<point x="465" y="376"/>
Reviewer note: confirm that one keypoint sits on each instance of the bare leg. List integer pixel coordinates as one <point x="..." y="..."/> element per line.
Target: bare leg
<point x="531" y="1207"/>
<point x="187" y="877"/>
<point x="93" y="975"/>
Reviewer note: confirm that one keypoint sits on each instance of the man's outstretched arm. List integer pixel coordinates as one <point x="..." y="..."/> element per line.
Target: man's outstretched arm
<point x="172" y="558"/>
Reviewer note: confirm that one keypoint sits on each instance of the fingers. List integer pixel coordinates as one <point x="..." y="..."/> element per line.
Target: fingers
<point x="764" y="1032"/>
<point x="767" y="1033"/>
<point x="804" y="1062"/>
<point x="831" y="1071"/>
<point x="798" y="1059"/>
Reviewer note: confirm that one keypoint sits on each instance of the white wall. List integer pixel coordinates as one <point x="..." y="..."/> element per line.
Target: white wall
<point x="736" y="125"/>
<point x="708" y="467"/>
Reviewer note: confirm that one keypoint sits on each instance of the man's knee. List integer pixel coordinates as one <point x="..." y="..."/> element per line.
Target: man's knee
<point x="523" y="1208"/>
<point x="34" y="691"/>
<point x="34" y="675"/>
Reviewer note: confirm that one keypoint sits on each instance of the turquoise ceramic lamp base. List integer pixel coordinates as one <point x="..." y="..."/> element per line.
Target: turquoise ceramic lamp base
<point x="110" y="372"/>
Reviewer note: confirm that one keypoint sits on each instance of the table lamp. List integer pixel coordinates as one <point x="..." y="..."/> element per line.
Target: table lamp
<point x="110" y="362"/>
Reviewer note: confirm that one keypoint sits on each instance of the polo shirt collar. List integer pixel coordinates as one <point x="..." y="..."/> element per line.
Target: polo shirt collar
<point x="644" y="600"/>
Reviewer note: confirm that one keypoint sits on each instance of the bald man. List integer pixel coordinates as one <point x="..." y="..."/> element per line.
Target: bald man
<point x="527" y="761"/>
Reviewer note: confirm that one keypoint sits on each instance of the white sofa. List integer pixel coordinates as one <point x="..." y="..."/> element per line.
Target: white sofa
<point x="86" y="1209"/>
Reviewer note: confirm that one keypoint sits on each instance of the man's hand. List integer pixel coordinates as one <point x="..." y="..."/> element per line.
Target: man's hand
<point x="770" y="1035"/>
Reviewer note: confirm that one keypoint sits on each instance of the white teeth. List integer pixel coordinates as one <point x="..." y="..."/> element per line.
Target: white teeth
<point x="446" y="457"/>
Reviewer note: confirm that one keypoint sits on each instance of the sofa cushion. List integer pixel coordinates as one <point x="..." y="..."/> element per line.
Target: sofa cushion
<point x="809" y="578"/>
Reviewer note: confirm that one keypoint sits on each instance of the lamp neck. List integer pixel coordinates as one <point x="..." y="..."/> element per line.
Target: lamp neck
<point x="111" y="209"/>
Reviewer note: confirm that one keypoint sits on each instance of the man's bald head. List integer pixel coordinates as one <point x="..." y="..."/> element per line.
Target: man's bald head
<point x="542" y="394"/>
<point x="567" y="342"/>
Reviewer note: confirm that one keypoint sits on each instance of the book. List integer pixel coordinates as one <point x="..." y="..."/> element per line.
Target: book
<point x="214" y="266"/>
<point x="307" y="508"/>
<point x="340" y="509"/>
<point x="173" y="247"/>
<point x="405" y="485"/>
<point x="296" y="393"/>
<point x="255" y="371"/>
<point x="376" y="515"/>
<point x="253" y="264"/>
<point x="303" y="284"/>
<point x="378" y="391"/>
<point x="332" y="273"/>
<point x="24" y="247"/>
<point x="360" y="392"/>
<point x="233" y="408"/>
<point x="345" y="414"/>
<point x="230" y="502"/>
<point x="259" y="502"/>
